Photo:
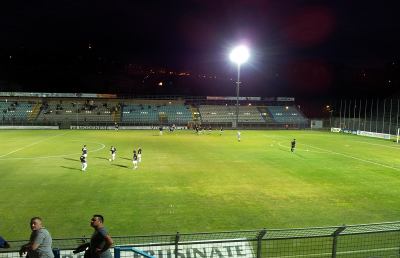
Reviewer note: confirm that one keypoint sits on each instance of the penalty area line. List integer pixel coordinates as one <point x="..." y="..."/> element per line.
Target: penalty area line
<point x="352" y="157"/>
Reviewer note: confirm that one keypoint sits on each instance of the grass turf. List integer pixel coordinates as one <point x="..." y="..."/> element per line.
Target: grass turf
<point x="192" y="183"/>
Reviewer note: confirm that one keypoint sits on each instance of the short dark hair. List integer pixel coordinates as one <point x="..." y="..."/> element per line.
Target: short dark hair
<point x="38" y="218"/>
<point x="101" y="218"/>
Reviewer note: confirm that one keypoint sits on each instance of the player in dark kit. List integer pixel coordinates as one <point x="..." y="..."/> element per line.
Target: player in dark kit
<point x="83" y="162"/>
<point x="113" y="151"/>
<point x="139" y="154"/>
<point x="135" y="160"/>
<point x="84" y="151"/>
<point x="293" y="145"/>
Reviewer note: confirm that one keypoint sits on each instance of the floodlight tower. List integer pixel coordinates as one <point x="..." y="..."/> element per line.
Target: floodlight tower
<point x="239" y="55"/>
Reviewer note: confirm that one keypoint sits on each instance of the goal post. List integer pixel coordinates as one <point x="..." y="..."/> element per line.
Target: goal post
<point x="398" y="135"/>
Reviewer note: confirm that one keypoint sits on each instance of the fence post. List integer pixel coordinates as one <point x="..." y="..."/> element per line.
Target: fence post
<point x="117" y="252"/>
<point x="56" y="252"/>
<point x="177" y="237"/>
<point x="335" y="237"/>
<point x="260" y="236"/>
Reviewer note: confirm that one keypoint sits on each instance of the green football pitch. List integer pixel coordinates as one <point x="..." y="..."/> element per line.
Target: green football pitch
<point x="194" y="183"/>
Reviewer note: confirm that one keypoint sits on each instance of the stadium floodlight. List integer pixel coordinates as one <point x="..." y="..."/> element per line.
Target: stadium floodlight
<point x="239" y="55"/>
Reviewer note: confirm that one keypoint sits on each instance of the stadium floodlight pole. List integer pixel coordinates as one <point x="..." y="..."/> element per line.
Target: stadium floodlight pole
<point x="239" y="55"/>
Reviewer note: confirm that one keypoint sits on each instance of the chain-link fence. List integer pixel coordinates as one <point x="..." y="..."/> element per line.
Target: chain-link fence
<point x="371" y="240"/>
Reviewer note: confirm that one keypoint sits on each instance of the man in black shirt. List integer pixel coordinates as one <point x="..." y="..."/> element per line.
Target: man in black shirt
<point x="293" y="145"/>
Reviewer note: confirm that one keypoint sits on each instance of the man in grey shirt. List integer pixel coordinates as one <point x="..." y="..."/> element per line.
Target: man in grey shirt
<point x="101" y="241"/>
<point x="40" y="241"/>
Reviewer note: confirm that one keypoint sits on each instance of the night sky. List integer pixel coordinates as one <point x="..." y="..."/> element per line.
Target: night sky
<point x="298" y="48"/>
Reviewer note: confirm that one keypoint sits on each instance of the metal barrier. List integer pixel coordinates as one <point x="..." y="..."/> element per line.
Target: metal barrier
<point x="118" y="249"/>
<point x="356" y="241"/>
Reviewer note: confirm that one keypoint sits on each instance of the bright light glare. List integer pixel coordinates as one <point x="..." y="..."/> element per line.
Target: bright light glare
<point x="239" y="55"/>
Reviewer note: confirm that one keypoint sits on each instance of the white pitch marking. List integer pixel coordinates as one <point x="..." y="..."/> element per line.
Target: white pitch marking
<point x="59" y="156"/>
<point x="348" y="156"/>
<point x="34" y="143"/>
<point x="284" y="146"/>
<point x="359" y="159"/>
<point x="381" y="145"/>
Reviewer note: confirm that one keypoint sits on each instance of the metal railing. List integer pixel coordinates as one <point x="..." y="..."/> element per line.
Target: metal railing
<point x="369" y="240"/>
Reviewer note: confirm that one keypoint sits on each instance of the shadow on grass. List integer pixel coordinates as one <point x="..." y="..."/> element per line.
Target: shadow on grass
<point x="71" y="168"/>
<point x="122" y="166"/>
<point x="101" y="158"/>
<point x="72" y="159"/>
<point x="125" y="158"/>
<point x="299" y="155"/>
<point x="283" y="149"/>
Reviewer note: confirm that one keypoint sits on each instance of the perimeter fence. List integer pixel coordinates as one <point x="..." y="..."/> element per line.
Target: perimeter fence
<point x="372" y="115"/>
<point x="356" y="241"/>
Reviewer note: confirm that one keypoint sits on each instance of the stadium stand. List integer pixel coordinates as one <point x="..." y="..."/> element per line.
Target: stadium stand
<point x="141" y="114"/>
<point x="265" y="114"/>
<point x="75" y="111"/>
<point x="149" y="111"/>
<point x="286" y="114"/>
<point x="227" y="114"/>
<point x="157" y="112"/>
<point x="216" y="114"/>
<point x="15" y="111"/>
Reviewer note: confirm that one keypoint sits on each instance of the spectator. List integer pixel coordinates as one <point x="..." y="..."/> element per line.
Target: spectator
<point x="101" y="241"/>
<point x="40" y="241"/>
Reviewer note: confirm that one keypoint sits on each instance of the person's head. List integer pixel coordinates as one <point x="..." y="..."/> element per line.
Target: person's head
<point x="36" y="223"/>
<point x="97" y="221"/>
